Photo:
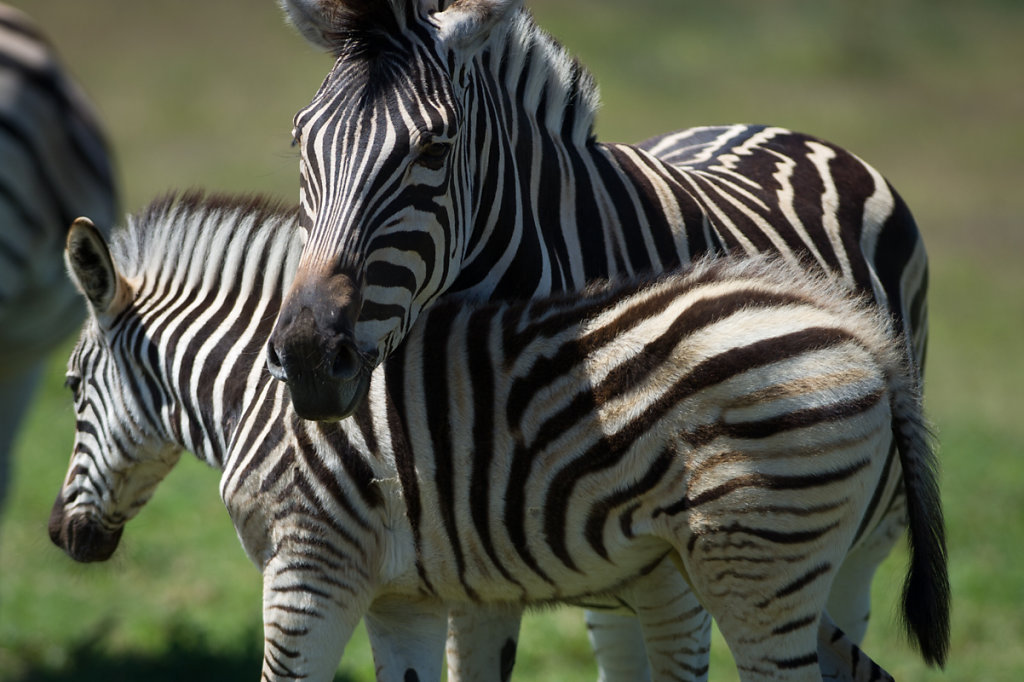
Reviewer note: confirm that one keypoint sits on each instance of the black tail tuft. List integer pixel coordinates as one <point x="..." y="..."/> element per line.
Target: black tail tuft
<point x="926" y="594"/>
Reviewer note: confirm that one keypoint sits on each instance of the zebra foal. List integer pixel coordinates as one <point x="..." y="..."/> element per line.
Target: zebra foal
<point x="728" y="419"/>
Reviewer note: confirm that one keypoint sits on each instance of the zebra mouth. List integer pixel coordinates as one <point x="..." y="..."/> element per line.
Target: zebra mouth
<point x="324" y="400"/>
<point x="83" y="539"/>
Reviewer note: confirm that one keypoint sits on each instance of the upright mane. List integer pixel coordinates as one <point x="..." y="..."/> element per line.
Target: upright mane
<point x="548" y="82"/>
<point x="180" y="239"/>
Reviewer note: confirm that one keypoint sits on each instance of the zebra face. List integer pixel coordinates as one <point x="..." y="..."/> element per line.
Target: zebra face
<point x="117" y="461"/>
<point x="120" y="452"/>
<point x="386" y="194"/>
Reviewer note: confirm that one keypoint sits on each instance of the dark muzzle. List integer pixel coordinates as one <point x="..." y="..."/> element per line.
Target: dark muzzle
<point x="312" y="350"/>
<point x="82" y="538"/>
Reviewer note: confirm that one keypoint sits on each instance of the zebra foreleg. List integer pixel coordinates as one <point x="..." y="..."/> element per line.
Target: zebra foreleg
<point x="306" y="625"/>
<point x="482" y="642"/>
<point x="407" y="638"/>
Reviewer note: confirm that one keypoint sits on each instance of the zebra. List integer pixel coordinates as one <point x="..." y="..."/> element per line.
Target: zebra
<point x="723" y="422"/>
<point x="55" y="166"/>
<point x="450" y="150"/>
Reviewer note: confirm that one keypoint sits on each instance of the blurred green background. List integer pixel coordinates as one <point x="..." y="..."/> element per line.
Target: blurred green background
<point x="198" y="93"/>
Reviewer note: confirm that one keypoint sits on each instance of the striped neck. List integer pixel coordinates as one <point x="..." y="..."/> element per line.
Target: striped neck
<point x="550" y="87"/>
<point x="208" y="275"/>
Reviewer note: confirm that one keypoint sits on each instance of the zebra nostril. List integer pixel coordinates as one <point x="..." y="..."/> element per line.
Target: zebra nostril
<point x="274" y="365"/>
<point x="347" y="363"/>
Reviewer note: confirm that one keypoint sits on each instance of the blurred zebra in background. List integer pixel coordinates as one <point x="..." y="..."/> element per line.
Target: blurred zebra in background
<point x="725" y="420"/>
<point x="54" y="167"/>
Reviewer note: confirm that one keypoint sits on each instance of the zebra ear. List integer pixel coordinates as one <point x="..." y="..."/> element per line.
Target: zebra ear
<point x="92" y="270"/>
<point x="316" y="20"/>
<point x="467" y="24"/>
<point x="324" y="22"/>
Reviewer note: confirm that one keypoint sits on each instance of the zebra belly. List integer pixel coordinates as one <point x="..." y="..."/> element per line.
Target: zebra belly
<point x="531" y="575"/>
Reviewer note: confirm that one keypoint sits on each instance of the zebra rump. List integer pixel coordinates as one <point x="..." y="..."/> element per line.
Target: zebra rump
<point x="731" y="419"/>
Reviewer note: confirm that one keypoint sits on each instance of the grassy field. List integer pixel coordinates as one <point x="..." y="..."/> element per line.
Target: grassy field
<point x="202" y="94"/>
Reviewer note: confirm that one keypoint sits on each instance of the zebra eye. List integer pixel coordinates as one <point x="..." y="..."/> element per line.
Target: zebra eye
<point x="74" y="383"/>
<point x="432" y="155"/>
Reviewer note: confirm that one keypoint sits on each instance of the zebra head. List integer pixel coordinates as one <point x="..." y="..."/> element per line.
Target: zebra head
<point x="385" y="188"/>
<point x="118" y="456"/>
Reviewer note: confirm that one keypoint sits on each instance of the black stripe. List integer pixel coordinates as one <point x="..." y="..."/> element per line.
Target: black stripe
<point x="481" y="372"/>
<point x="803" y="581"/>
<point x="598" y="516"/>
<point x="799" y="419"/>
<point x="405" y="462"/>
<point x="436" y="332"/>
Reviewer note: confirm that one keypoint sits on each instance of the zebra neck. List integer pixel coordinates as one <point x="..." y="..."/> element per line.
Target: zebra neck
<point x="568" y="213"/>
<point x="212" y="271"/>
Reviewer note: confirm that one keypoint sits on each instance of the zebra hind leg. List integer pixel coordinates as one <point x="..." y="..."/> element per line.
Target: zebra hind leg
<point x="767" y="598"/>
<point x="841" y="660"/>
<point x="850" y="600"/>
<point x="676" y="628"/>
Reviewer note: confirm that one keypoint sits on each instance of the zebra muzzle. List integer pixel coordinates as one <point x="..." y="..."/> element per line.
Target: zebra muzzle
<point x="312" y="350"/>
<point x="82" y="538"/>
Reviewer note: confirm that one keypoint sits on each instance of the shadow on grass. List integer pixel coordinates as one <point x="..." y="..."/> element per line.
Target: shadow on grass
<point x="188" y="657"/>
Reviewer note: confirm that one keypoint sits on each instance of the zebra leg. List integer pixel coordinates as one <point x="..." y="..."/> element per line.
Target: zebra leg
<point x="841" y="660"/>
<point x="482" y="642"/>
<point x="407" y="638"/>
<point x="306" y="625"/>
<point x="767" y="596"/>
<point x="676" y="630"/>
<point x="849" y="603"/>
<point x="618" y="643"/>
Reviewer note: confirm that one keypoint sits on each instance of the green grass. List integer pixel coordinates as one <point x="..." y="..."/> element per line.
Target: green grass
<point x="202" y="94"/>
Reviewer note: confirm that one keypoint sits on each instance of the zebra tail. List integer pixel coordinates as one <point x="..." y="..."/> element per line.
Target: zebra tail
<point x="926" y="593"/>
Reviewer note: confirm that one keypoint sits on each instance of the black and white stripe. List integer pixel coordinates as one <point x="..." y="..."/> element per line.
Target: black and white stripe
<point x="54" y="166"/>
<point x="733" y="420"/>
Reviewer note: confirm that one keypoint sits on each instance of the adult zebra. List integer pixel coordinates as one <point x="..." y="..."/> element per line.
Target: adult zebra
<point x="452" y="150"/>
<point x="676" y="415"/>
<point x="55" y="167"/>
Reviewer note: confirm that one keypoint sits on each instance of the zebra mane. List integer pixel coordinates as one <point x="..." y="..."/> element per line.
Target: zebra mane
<point x="184" y="238"/>
<point x="560" y="92"/>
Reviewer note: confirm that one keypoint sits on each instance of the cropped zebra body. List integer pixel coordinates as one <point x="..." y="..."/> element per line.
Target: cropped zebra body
<point x="740" y="412"/>
<point x="54" y="167"/>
